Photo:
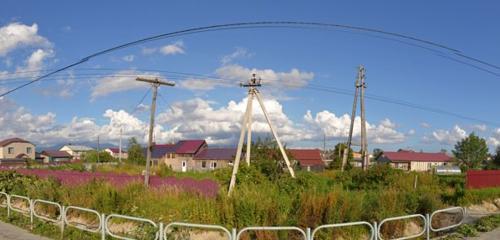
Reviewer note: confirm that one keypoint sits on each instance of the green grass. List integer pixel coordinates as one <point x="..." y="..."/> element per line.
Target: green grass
<point x="309" y="200"/>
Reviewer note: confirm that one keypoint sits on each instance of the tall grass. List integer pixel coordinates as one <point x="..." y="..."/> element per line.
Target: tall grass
<point x="309" y="200"/>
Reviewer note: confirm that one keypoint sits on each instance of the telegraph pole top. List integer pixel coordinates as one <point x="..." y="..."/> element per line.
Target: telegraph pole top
<point x="155" y="81"/>
<point x="252" y="82"/>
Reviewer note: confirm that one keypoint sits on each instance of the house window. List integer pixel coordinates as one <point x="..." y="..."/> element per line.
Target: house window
<point x="203" y="164"/>
<point x="28" y="150"/>
<point x="213" y="165"/>
<point x="10" y="150"/>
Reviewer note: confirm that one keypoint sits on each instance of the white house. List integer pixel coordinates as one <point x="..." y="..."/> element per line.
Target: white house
<point x="115" y="152"/>
<point x="76" y="150"/>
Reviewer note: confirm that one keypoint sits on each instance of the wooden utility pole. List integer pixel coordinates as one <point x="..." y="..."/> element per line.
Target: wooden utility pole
<point x="359" y="93"/>
<point x="155" y="83"/>
<point x="253" y="92"/>
<point x="351" y="126"/>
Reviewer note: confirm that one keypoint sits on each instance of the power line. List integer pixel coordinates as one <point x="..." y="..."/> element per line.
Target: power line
<point x="241" y="25"/>
<point x="310" y="86"/>
<point x="132" y="111"/>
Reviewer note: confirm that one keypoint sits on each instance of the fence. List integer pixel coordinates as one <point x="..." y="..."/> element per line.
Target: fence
<point x="483" y="178"/>
<point x="102" y="227"/>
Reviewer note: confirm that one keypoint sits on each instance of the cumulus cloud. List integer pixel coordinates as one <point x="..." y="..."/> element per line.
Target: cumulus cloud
<point x="34" y="62"/>
<point x="44" y="130"/>
<point x="337" y="127"/>
<point x="19" y="36"/>
<point x="198" y="118"/>
<point x="494" y="139"/>
<point x="173" y="49"/>
<point x="195" y="118"/>
<point x="15" y="35"/>
<point x="449" y="137"/>
<point x="480" y="127"/>
<point x="119" y="82"/>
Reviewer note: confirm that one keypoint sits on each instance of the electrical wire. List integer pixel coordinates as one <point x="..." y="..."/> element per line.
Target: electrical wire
<point x="311" y="86"/>
<point x="241" y="25"/>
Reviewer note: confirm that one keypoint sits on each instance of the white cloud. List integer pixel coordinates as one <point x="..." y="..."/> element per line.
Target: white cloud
<point x="15" y="35"/>
<point x="128" y="58"/>
<point x="120" y="81"/>
<point x="232" y="75"/>
<point x="411" y="132"/>
<point x="480" y="127"/>
<point x="173" y="49"/>
<point x="197" y="118"/>
<point x="238" y="53"/>
<point x="449" y="137"/>
<point x="494" y="139"/>
<point x="335" y="127"/>
<point x="34" y="62"/>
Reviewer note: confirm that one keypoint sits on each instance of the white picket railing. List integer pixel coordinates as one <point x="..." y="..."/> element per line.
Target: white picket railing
<point x="104" y="226"/>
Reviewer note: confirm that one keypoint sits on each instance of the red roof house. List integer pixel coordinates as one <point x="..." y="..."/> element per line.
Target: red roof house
<point x="189" y="146"/>
<point x="309" y="159"/>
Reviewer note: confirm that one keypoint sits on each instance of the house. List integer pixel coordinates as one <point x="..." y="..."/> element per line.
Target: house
<point x="309" y="159"/>
<point x="357" y="159"/>
<point x="53" y="156"/>
<point x="180" y="156"/>
<point x="161" y="152"/>
<point x="76" y="151"/>
<point x="115" y="152"/>
<point x="212" y="158"/>
<point x="16" y="148"/>
<point x="415" y="161"/>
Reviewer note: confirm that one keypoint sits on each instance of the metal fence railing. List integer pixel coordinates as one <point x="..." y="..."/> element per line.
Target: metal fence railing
<point x="104" y="227"/>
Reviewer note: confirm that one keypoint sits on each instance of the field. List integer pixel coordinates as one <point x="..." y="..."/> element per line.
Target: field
<point x="262" y="197"/>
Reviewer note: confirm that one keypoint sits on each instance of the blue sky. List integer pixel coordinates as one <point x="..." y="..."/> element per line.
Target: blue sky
<point x="77" y="105"/>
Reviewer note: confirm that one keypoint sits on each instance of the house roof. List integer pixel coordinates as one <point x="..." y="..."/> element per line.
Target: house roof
<point x="307" y="157"/>
<point x="56" y="154"/>
<point x="160" y="150"/>
<point x="216" y="154"/>
<point x="78" y="148"/>
<point x="411" y="156"/>
<point x="8" y="141"/>
<point x="189" y="146"/>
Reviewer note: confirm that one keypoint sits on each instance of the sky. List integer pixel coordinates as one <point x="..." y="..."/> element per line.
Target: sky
<point x="302" y="69"/>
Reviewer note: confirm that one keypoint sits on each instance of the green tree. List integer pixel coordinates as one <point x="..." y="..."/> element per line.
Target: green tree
<point x="495" y="161"/>
<point x="135" y="152"/>
<point x="471" y="151"/>
<point x="267" y="158"/>
<point x="91" y="157"/>
<point x="338" y="154"/>
<point x="377" y="152"/>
